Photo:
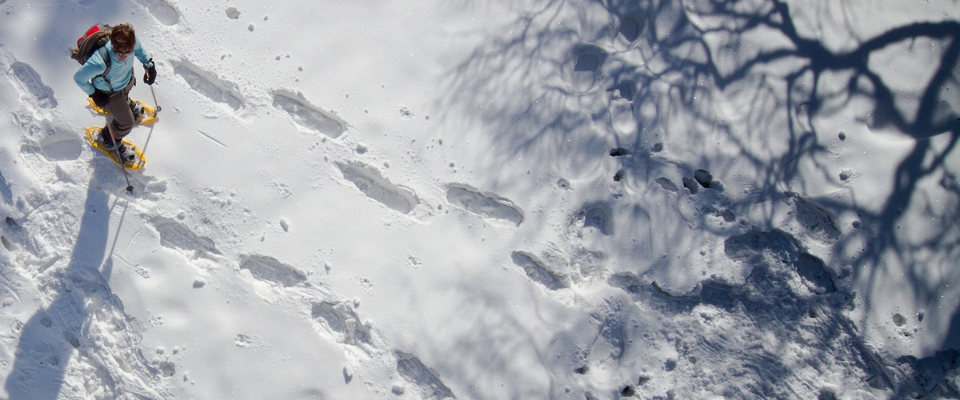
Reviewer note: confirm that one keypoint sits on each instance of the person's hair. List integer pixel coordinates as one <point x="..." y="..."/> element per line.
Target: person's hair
<point x="123" y="38"/>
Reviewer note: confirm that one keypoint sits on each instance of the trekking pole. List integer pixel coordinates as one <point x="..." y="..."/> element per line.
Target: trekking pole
<point x="154" y="99"/>
<point x="122" y="162"/>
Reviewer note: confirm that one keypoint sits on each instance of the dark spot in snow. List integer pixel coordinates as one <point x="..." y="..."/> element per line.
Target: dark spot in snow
<point x="619" y="152"/>
<point x="670" y="365"/>
<point x="703" y="177"/>
<point x="691" y="185"/>
<point x="11" y="223"/>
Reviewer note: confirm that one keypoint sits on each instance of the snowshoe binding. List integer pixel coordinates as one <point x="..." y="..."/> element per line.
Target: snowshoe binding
<point x="131" y="157"/>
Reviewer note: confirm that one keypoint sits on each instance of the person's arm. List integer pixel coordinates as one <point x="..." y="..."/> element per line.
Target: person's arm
<point x="141" y="53"/>
<point x="93" y="67"/>
<point x="150" y="70"/>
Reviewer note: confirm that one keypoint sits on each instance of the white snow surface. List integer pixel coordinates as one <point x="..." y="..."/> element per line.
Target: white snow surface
<point x="488" y="199"/>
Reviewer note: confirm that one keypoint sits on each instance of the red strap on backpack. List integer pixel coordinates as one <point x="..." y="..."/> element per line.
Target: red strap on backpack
<point x="92" y="30"/>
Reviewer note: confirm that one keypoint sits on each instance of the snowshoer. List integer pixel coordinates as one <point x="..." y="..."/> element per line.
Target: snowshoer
<point x="107" y="77"/>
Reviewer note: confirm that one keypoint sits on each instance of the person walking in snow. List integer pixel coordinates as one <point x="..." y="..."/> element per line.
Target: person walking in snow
<point x="107" y="77"/>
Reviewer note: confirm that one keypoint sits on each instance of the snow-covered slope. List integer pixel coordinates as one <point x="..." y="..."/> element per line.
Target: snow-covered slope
<point x="488" y="200"/>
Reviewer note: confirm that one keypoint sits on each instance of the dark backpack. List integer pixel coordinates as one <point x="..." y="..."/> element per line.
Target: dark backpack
<point x="91" y="42"/>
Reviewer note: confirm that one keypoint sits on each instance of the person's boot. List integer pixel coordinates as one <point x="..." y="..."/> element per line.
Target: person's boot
<point x="138" y="112"/>
<point x="106" y="140"/>
<point x="127" y="155"/>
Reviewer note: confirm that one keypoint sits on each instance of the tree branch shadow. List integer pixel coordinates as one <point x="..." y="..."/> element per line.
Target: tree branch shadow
<point x="540" y="99"/>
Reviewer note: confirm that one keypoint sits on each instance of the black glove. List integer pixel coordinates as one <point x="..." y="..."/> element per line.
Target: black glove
<point x="100" y="98"/>
<point x="150" y="72"/>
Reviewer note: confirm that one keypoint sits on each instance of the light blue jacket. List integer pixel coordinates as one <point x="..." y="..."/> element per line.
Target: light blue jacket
<point x="120" y="72"/>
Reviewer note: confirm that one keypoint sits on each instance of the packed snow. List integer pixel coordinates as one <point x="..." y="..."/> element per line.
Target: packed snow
<point x="501" y="199"/>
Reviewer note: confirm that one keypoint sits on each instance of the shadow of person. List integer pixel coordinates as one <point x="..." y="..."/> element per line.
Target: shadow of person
<point x="52" y="335"/>
<point x="952" y="340"/>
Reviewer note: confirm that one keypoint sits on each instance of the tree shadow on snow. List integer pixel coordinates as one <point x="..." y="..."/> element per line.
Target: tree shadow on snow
<point x="564" y="83"/>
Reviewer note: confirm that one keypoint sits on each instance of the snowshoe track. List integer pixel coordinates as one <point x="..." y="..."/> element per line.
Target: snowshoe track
<point x="33" y="84"/>
<point x="270" y="270"/>
<point x="309" y="116"/>
<point x="210" y="86"/>
<point x="176" y="235"/>
<point x="372" y="184"/>
<point x="162" y="10"/>
<point x="413" y="370"/>
<point x="487" y="205"/>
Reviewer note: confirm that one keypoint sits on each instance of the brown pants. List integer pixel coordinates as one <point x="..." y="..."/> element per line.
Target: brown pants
<point x="119" y="107"/>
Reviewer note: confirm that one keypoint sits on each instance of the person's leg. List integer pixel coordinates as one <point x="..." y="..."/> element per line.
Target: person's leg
<point x="119" y="107"/>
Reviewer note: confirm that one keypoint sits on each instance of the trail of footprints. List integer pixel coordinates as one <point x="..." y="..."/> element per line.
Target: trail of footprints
<point x="338" y="319"/>
<point x="771" y="297"/>
<point x="368" y="179"/>
<point x="375" y="186"/>
<point x="335" y="319"/>
<point x="788" y="288"/>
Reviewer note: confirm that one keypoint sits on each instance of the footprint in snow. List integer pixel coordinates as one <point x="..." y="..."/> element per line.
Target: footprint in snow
<point x="536" y="271"/>
<point x="815" y="274"/>
<point x="488" y="205"/>
<point x="12" y="229"/>
<point x="701" y="179"/>
<point x="64" y="146"/>
<point x="32" y="83"/>
<point x="776" y="244"/>
<point x="666" y="184"/>
<point x="622" y="114"/>
<point x="631" y="29"/>
<point x="268" y="269"/>
<point x="587" y="61"/>
<point x="341" y="320"/>
<point x="175" y="235"/>
<point x="48" y="141"/>
<point x="308" y="115"/>
<point x="814" y="218"/>
<point x="414" y="371"/>
<point x="167" y="369"/>
<point x="54" y="221"/>
<point x="781" y="247"/>
<point x="597" y="216"/>
<point x="372" y="184"/>
<point x="5" y="193"/>
<point x="162" y="10"/>
<point x="209" y="85"/>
